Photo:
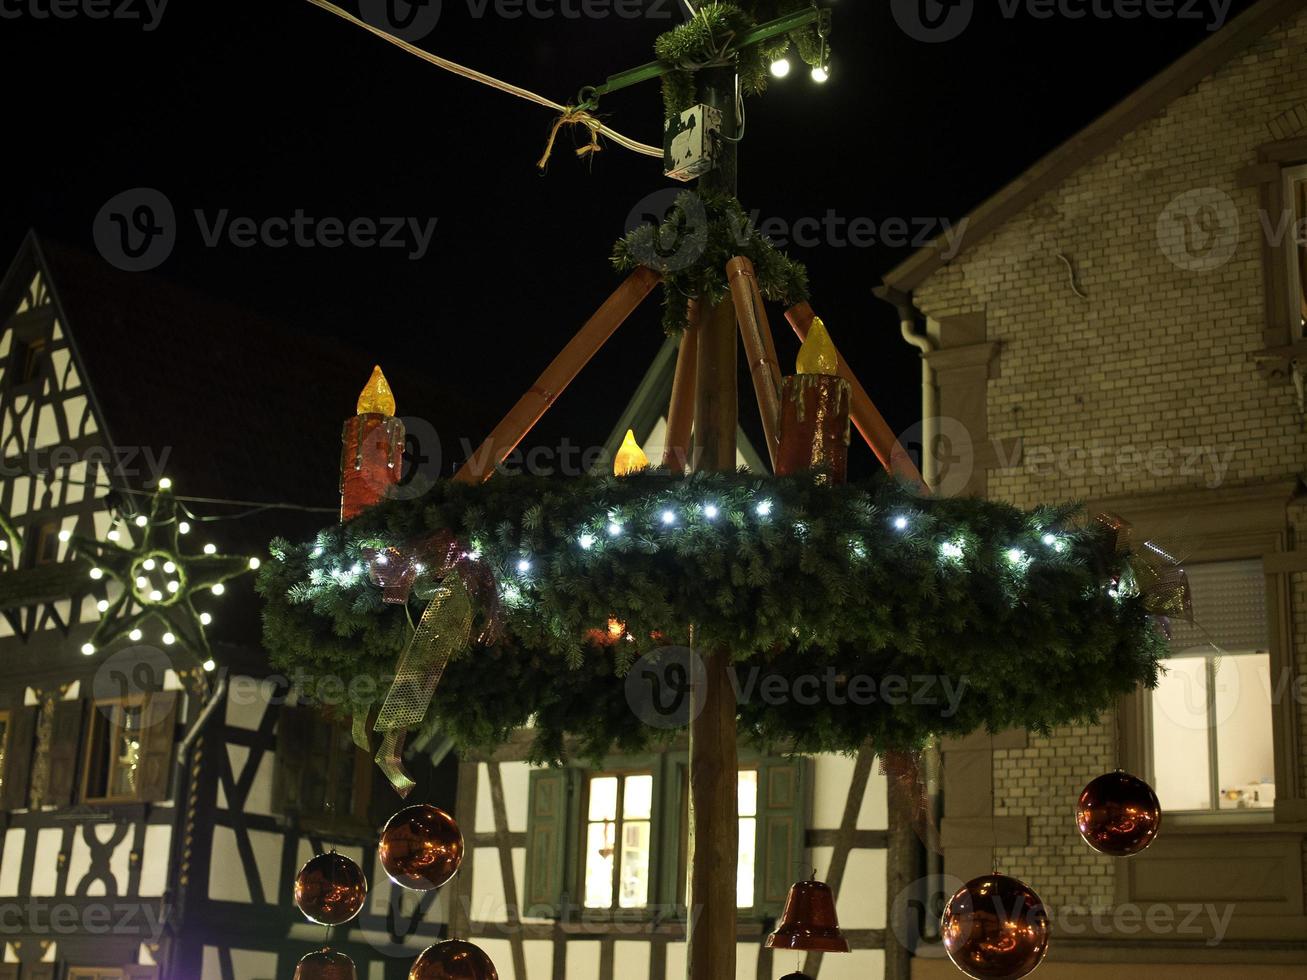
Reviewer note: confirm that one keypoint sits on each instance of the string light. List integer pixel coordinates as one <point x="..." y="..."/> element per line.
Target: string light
<point x="142" y="520"/>
<point x="586" y="541"/>
<point x="210" y="549"/>
<point x="88" y="648"/>
<point x="165" y="483"/>
<point x="113" y="534"/>
<point x="219" y="588"/>
<point x="764" y="508"/>
<point x="134" y="635"/>
<point x="169" y="639"/>
<point x="781" y="67"/>
<point x="183" y="527"/>
<point x="102" y="605"/>
<point x="169" y="567"/>
<point x="65" y="535"/>
<point x="710" y="511"/>
<point x="951" y="550"/>
<point x="820" y="75"/>
<point x="254" y="564"/>
<point x="209" y="665"/>
<point x="523" y="565"/>
<point x="205" y="619"/>
<point x="669" y="517"/>
<point x="148" y="564"/>
<point x="900" y="523"/>
<point x="614" y="529"/>
<point x="97" y="573"/>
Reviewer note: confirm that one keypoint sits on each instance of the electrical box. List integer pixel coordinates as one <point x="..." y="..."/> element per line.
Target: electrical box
<point x="690" y="145"/>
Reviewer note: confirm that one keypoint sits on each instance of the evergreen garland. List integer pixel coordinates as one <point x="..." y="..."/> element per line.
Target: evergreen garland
<point x="793" y="577"/>
<point x="690" y="248"/>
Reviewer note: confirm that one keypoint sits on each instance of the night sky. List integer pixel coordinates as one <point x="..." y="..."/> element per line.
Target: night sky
<point x="266" y="107"/>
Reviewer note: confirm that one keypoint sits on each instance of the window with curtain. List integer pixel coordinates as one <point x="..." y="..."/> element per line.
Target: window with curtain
<point x="1212" y="744"/>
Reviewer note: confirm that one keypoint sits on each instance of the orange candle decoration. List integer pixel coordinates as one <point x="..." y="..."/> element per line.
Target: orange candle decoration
<point x="815" y="404"/>
<point x="371" y="449"/>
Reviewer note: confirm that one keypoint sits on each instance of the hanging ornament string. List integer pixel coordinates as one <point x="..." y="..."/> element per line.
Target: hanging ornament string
<point x="573" y="116"/>
<point x="570" y="113"/>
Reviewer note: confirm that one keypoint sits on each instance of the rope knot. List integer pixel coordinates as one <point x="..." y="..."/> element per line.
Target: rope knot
<point x="574" y="116"/>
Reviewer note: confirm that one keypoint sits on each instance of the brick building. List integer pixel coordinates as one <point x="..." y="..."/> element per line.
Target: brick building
<point x="1123" y="325"/>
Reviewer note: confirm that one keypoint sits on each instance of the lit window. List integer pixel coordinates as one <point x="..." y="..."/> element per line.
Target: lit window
<point x="617" y="840"/>
<point x="744" y="872"/>
<point x="114" y="755"/>
<point x="1211" y="713"/>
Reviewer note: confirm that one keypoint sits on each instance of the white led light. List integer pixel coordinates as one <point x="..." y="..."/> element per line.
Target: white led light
<point x="142" y="520"/>
<point x="763" y="508"/>
<point x="781" y="67"/>
<point x="1016" y="556"/>
<point x="1050" y="539"/>
<point x="669" y="517"/>
<point x="4" y="545"/>
<point x="209" y="666"/>
<point x="219" y="589"/>
<point x="900" y="523"/>
<point x="205" y="619"/>
<point x="951" y="549"/>
<point x="165" y="483"/>
<point x="65" y="535"/>
<point x="820" y="75"/>
<point x="523" y="566"/>
<point x="174" y="585"/>
<point x="1059" y="546"/>
<point x="614" y="529"/>
<point x="254" y="563"/>
<point x="148" y="564"/>
<point x="210" y="549"/>
<point x="169" y="567"/>
<point x="183" y="528"/>
<point x="88" y="648"/>
<point x="142" y="581"/>
<point x="97" y="573"/>
<point x="113" y="535"/>
<point x="134" y="635"/>
<point x="710" y="511"/>
<point x="169" y="639"/>
<point x="586" y="541"/>
<point x="102" y="605"/>
<point x="156" y="595"/>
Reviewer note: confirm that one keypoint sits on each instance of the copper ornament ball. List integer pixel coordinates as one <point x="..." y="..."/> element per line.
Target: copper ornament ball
<point x="453" y="960"/>
<point x="421" y="847"/>
<point x="1118" y="814"/>
<point x="330" y="889"/>
<point x="326" y="964"/>
<point x="995" y="928"/>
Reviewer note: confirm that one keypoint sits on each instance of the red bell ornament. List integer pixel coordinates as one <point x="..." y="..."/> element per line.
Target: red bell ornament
<point x="453" y="960"/>
<point x="809" y="921"/>
<point x="995" y="928"/>
<point x="421" y="847"/>
<point x="1118" y="814"/>
<point x="330" y="889"/>
<point x="326" y="964"/>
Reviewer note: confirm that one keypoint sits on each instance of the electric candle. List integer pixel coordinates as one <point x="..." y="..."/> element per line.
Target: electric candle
<point x="371" y="449"/>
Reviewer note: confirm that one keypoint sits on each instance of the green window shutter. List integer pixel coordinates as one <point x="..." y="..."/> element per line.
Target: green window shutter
<point x="784" y="786"/>
<point x="552" y="817"/>
<point x="160" y="716"/>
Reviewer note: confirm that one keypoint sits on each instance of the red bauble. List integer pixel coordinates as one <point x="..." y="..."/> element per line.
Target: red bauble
<point x="421" y="847"/>
<point x="330" y="889"/>
<point x="453" y="960"/>
<point x="1118" y="814"/>
<point x="995" y="928"/>
<point x="326" y="964"/>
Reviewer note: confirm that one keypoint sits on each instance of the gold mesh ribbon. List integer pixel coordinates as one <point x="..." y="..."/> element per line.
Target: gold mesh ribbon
<point x="444" y="630"/>
<point x="1157" y="574"/>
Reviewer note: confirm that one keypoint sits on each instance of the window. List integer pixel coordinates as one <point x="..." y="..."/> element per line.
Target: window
<point x="615" y="841"/>
<point x="618" y="840"/>
<point x="113" y="758"/>
<point x="1295" y="252"/>
<point x="1212" y="739"/>
<point x="322" y="779"/>
<point x="31" y="355"/>
<point x="45" y="543"/>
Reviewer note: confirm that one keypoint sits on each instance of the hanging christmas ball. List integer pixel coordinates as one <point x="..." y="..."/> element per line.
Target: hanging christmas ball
<point x="326" y="964"/>
<point x="453" y="960"/>
<point x="421" y="847"/>
<point x="330" y="889"/>
<point x="796" y="976"/>
<point x="995" y="928"/>
<point x="1118" y="814"/>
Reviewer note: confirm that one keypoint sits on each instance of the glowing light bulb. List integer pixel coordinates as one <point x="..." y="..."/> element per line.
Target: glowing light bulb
<point x="820" y="75"/>
<point x="254" y="563"/>
<point x="710" y="511"/>
<point x="586" y="541"/>
<point x="630" y="458"/>
<point x="113" y="535"/>
<point x="134" y="635"/>
<point x="523" y="566"/>
<point x="1050" y="539"/>
<point x="156" y="595"/>
<point x="614" y="529"/>
<point x="148" y="564"/>
<point x="210" y="549"/>
<point x="4" y="545"/>
<point x="1015" y="556"/>
<point x="209" y="666"/>
<point x="900" y="523"/>
<point x="142" y="520"/>
<point x="142" y="581"/>
<point x="219" y="589"/>
<point x="165" y="483"/>
<point x="88" y="648"/>
<point x="205" y="619"/>
<point x="174" y="585"/>
<point x="102" y="605"/>
<point x="65" y="535"/>
<point x="183" y="527"/>
<point x="669" y="517"/>
<point x="97" y="573"/>
<point x="169" y="639"/>
<point x="951" y="549"/>
<point x="169" y="567"/>
<point x="781" y="67"/>
<point x="763" y="508"/>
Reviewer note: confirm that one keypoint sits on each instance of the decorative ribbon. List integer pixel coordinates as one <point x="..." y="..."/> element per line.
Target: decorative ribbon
<point x="573" y="116"/>
<point x="909" y="790"/>
<point x="1156" y="573"/>
<point x="444" y="629"/>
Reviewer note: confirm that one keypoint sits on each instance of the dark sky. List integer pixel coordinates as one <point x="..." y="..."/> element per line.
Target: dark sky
<point x="262" y="108"/>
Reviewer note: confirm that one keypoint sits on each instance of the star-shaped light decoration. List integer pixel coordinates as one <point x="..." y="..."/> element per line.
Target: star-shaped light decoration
<point x="158" y="583"/>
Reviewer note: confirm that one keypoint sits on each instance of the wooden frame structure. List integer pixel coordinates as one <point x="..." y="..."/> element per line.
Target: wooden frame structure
<point x="705" y="402"/>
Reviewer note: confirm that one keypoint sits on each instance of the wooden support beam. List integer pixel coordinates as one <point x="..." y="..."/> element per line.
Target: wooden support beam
<point x="714" y="754"/>
<point x="759" y="348"/>
<point x="866" y="417"/>
<point x="560" y="373"/>
<point x="680" y="413"/>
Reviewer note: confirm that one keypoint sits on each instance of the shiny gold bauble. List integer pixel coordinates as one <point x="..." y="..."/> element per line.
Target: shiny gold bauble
<point x="421" y="847"/>
<point x="330" y="889"/>
<point x="1118" y="814"/>
<point x="326" y="964"/>
<point x="995" y="928"/>
<point x="453" y="960"/>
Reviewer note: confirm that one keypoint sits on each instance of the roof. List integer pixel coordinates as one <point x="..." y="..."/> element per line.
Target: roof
<point x="1094" y="140"/>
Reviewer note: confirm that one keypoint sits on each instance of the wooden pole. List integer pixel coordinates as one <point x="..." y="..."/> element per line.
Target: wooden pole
<point x="866" y="417"/>
<point x="758" y="348"/>
<point x="714" y="755"/>
<point x="560" y="373"/>
<point x="680" y="413"/>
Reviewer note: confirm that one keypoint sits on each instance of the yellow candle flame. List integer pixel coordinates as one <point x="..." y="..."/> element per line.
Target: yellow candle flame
<point x="376" y="396"/>
<point x="817" y="355"/>
<point x="630" y="458"/>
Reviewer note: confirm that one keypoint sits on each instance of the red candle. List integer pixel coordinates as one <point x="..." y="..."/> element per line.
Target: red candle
<point x="371" y="449"/>
<point x="815" y="407"/>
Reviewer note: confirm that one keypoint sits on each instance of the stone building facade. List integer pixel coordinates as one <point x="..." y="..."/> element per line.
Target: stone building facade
<point x="1123" y="326"/>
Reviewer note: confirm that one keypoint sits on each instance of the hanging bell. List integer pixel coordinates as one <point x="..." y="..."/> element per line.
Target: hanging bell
<point x="796" y="976"/>
<point x="809" y="921"/>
